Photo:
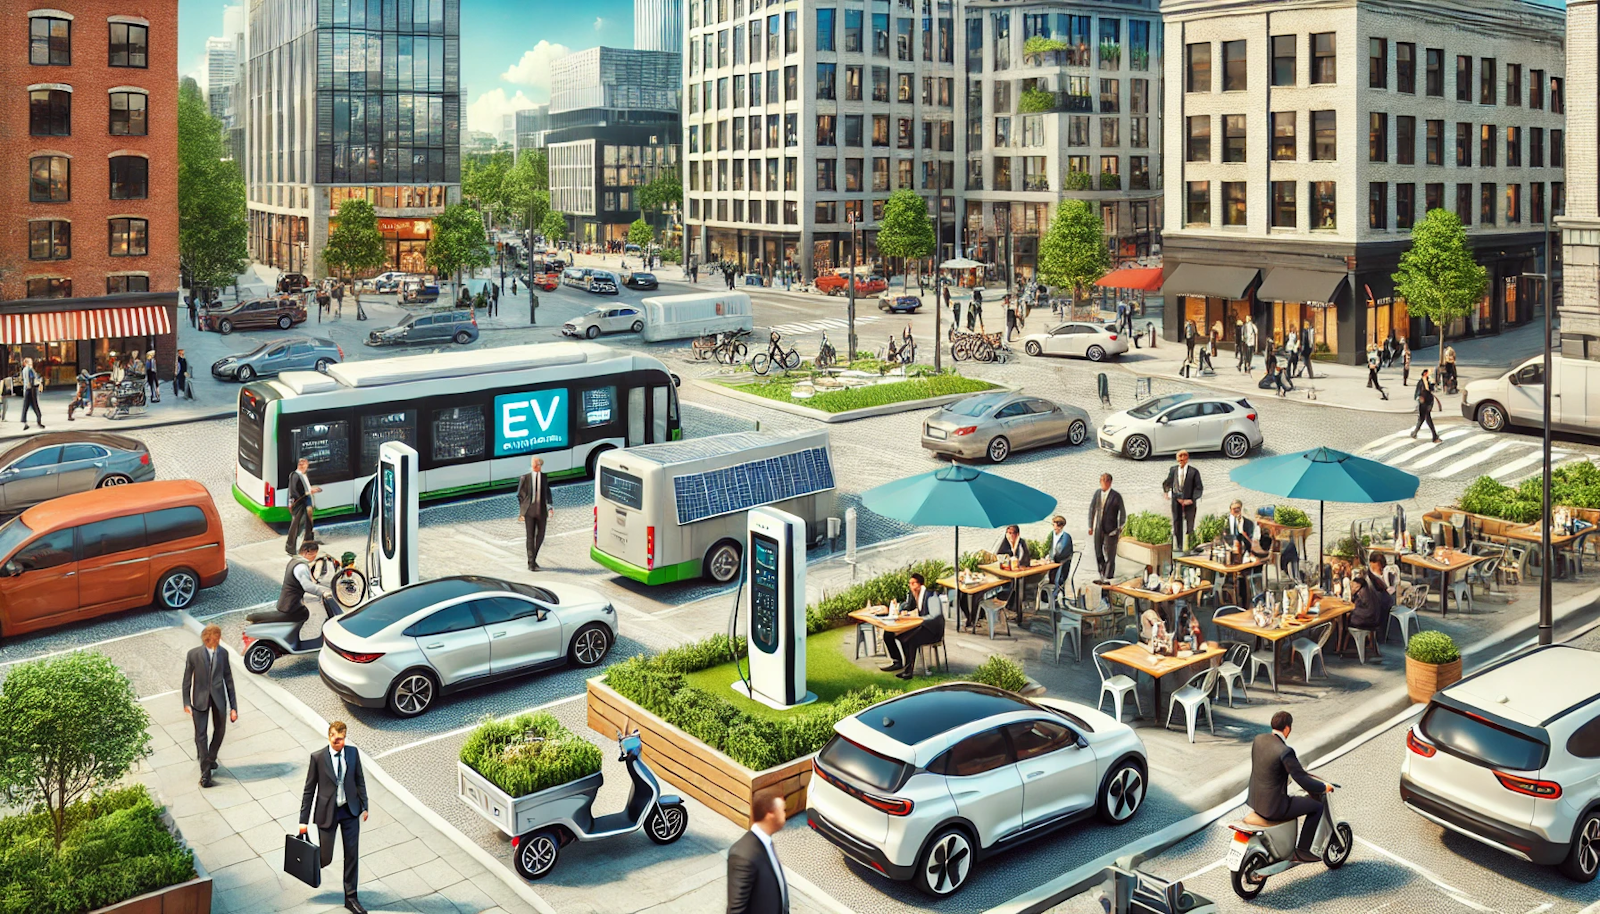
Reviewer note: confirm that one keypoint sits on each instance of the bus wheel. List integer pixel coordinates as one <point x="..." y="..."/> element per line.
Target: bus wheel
<point x="722" y="562"/>
<point x="594" y="459"/>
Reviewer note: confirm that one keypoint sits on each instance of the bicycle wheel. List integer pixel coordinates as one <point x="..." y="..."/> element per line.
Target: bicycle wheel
<point x="984" y="352"/>
<point x="349" y="587"/>
<point x="791" y="361"/>
<point x="961" y="350"/>
<point x="760" y="364"/>
<point x="324" y="568"/>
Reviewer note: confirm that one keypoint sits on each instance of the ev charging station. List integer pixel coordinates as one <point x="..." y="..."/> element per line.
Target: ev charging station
<point x="392" y="539"/>
<point x="775" y="585"/>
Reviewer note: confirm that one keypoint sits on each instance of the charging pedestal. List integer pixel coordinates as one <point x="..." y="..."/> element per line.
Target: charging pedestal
<point x="392" y="540"/>
<point x="775" y="584"/>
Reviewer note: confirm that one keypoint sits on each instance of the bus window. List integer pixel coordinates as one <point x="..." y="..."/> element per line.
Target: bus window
<point x="377" y="428"/>
<point x="659" y="413"/>
<point x="458" y="433"/>
<point x="636" y="416"/>
<point x="621" y="488"/>
<point x="599" y="407"/>
<point x="325" y="445"/>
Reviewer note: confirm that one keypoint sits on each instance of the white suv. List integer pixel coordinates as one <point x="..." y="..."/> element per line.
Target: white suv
<point x="921" y="786"/>
<point x="1510" y="757"/>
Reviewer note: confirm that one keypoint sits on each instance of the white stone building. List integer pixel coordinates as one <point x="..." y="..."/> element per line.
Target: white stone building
<point x="1580" y="298"/>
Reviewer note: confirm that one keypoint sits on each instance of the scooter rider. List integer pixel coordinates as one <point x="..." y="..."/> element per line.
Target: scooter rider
<point x="1273" y="764"/>
<point x="297" y="582"/>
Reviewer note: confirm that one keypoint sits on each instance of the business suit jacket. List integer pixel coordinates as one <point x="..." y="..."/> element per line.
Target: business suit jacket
<point x="299" y="492"/>
<point x="1106" y="513"/>
<point x="204" y="686"/>
<point x="753" y="886"/>
<point x="1060" y="548"/>
<point x="932" y="628"/>
<point x="1272" y="764"/>
<point x="318" y="803"/>
<point x="1192" y="487"/>
<point x="1021" y="550"/>
<point x="529" y="502"/>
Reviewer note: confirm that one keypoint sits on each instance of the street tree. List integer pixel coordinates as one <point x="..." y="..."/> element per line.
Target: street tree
<point x="1073" y="251"/>
<point x="483" y="182"/>
<point x="69" y="725"/>
<point x="523" y="191"/>
<point x="640" y="232"/>
<point x="905" y="231"/>
<point x="538" y="163"/>
<point x="554" y="226"/>
<point x="355" y="245"/>
<point x="1438" y="277"/>
<point x="665" y="192"/>
<point x="459" y="242"/>
<point x="212" y="224"/>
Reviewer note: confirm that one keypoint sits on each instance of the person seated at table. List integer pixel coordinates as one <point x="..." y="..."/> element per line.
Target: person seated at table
<point x="902" y="647"/>
<point x="1239" y="534"/>
<point x="1372" y="602"/>
<point x="1060" y="551"/>
<point x="1012" y="543"/>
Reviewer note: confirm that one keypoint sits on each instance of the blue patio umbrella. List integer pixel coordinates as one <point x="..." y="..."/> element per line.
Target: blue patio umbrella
<point x="958" y="496"/>
<point x="1326" y="475"/>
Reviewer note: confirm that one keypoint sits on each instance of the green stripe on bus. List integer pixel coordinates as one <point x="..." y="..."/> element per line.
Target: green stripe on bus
<point x="281" y="515"/>
<point x="683" y="571"/>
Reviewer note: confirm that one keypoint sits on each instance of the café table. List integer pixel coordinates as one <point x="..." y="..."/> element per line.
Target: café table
<point x="1225" y="569"/>
<point x="1138" y="657"/>
<point x="1559" y="542"/>
<point x="974" y="588"/>
<point x="1329" y="610"/>
<point x="1443" y="562"/>
<point x="1166" y="601"/>
<point x="1018" y="575"/>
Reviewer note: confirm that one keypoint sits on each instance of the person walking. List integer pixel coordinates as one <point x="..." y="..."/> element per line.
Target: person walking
<point x="1011" y="316"/>
<point x="1106" y="518"/>
<point x="1251" y="338"/>
<point x="755" y="877"/>
<point x="335" y="797"/>
<point x="301" y="492"/>
<point x="194" y="312"/>
<point x="1189" y="340"/>
<point x="32" y="383"/>
<point x="180" y="378"/>
<point x="1425" y="402"/>
<point x="338" y="301"/>
<point x="82" y="397"/>
<point x="1183" y="487"/>
<point x="975" y="312"/>
<point x="207" y="695"/>
<point x="1372" y="371"/>
<point x="1447" y="372"/>
<point x="534" y="508"/>
<point x="494" y="301"/>
<point x="1405" y="363"/>
<point x="1238" y="345"/>
<point x="1291" y="347"/>
<point x="1306" y="349"/>
<point x="152" y="377"/>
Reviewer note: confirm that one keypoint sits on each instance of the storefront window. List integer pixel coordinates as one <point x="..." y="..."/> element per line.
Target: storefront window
<point x="57" y="362"/>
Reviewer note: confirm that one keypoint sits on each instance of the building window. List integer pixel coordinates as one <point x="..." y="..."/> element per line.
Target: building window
<point x="1513" y="147"/>
<point x="1405" y="206"/>
<point x="852" y="83"/>
<point x="1433" y="197"/>
<point x="116" y="285"/>
<point x="1405" y="67"/>
<point x="130" y="45"/>
<point x="791" y="83"/>
<point x="880" y="84"/>
<point x="1463" y="145"/>
<point x="129" y="238"/>
<point x="49" y="112"/>
<point x="1199" y="203"/>
<point x="1536" y="89"/>
<point x="1283" y="63"/>
<point x="50" y="288"/>
<point x="1198" y="78"/>
<point x="852" y="130"/>
<point x="51" y="182"/>
<point x="49" y="42"/>
<point x="1405" y="140"/>
<point x="1324" y="208"/>
<point x="1486" y="204"/>
<point x="1324" y="62"/>
<point x="852" y="176"/>
<point x="905" y="92"/>
<point x="1558" y="199"/>
<point x="1488" y="143"/>
<point x="1536" y="203"/>
<point x="825" y="16"/>
<point x="826" y="175"/>
<point x="1138" y="172"/>
<point x="49" y="240"/>
<point x="1464" y="203"/>
<point x="1139" y="132"/>
<point x="825" y="81"/>
<point x="1435" y="74"/>
<point x="1378" y="205"/>
<point x="905" y="139"/>
<point x="1377" y="63"/>
<point x="852" y="31"/>
<point x="1536" y="147"/>
<point x="1514" y="84"/>
<point x="1234" y="66"/>
<point x="1233" y="203"/>
<point x="1488" y="86"/>
<point x="791" y="32"/>
<point x="1283" y="143"/>
<point x="1110" y="96"/>
<point x="1324" y="136"/>
<point x="1434" y="143"/>
<point x="1463" y="78"/>
<point x="130" y="177"/>
<point x="128" y="114"/>
<point x="1378" y="137"/>
<point x="1558" y="149"/>
<point x="1558" y="103"/>
<point x="1199" y="149"/>
<point x="1284" y="213"/>
<point x="1110" y="133"/>
<point x="1233" y="138"/>
<point x="1513" y="204"/>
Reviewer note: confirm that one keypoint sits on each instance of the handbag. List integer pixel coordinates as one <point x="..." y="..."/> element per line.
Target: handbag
<point x="302" y="860"/>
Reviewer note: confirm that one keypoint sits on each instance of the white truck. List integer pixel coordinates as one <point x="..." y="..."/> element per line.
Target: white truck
<point x="676" y="317"/>
<point x="1517" y="397"/>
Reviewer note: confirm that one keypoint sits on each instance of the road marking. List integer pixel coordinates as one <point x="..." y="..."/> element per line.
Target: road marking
<point x="1512" y="469"/>
<point x="1542" y="908"/>
<point x="470" y="727"/>
<point x="1452" y="450"/>
<point x="160" y="695"/>
<point x="242" y="609"/>
<point x="1475" y="459"/>
<point x="1429" y="875"/>
<point x="1444" y="435"/>
<point x="1591" y="909"/>
<point x="1204" y="870"/>
<point x="80" y="647"/>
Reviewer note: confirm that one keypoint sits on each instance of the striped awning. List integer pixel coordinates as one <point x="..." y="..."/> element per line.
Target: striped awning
<point x="60" y="326"/>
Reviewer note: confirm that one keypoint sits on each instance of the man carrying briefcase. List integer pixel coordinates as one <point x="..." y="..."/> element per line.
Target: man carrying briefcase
<point x="335" y="797"/>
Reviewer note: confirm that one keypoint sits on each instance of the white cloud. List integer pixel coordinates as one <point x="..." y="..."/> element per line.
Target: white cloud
<point x="599" y="23"/>
<point x="534" y="67"/>
<point x="485" y="113"/>
<point x="200" y="71"/>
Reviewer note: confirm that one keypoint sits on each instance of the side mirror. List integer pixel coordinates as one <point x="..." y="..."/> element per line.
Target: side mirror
<point x="1516" y="381"/>
<point x="10" y="569"/>
<point x="1162" y="420"/>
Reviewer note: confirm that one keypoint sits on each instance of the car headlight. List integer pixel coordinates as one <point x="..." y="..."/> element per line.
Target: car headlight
<point x="1110" y="429"/>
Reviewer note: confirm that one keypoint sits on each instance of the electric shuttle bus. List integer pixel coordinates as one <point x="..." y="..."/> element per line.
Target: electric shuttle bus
<point x="475" y="418"/>
<point x="676" y="511"/>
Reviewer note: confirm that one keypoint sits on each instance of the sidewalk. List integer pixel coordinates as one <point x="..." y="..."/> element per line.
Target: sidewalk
<point x="1336" y="385"/>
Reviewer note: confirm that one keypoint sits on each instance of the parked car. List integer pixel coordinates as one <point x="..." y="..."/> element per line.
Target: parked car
<point x="642" y="282"/>
<point x="382" y="283"/>
<point x="866" y="286"/>
<point x="1510" y="757"/>
<point x="896" y="304"/>
<point x="300" y="353"/>
<point x="546" y="282"/>
<point x="1185" y="421"/>
<point x="428" y="329"/>
<point x="631" y="249"/>
<point x="52" y="464"/>
<point x="410" y="646"/>
<point x="619" y="319"/>
<point x="293" y="283"/>
<point x="1083" y="340"/>
<point x="576" y="277"/>
<point x="992" y="425"/>
<point x="257" y="314"/>
<point x="415" y="290"/>
<point x="603" y="282"/>
<point x="922" y="786"/>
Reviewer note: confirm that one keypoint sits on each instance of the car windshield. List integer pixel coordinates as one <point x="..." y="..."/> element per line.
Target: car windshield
<point x="408" y="320"/>
<point x="861" y="764"/>
<point x="1157" y="406"/>
<point x="595" y="312"/>
<point x="1480" y="741"/>
<point x="12" y="535"/>
<point x="972" y="406"/>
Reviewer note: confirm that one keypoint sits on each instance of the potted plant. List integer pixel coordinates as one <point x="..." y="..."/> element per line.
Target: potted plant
<point x="1296" y="524"/>
<point x="1433" y="662"/>
<point x="1206" y="531"/>
<point x="507" y="765"/>
<point x="1147" y="540"/>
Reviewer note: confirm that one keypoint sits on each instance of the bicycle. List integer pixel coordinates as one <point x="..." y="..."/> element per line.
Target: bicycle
<point x="730" y="349"/>
<point x="775" y="355"/>
<point x="340" y="575"/>
<point x="903" y="354"/>
<point x="826" y="356"/>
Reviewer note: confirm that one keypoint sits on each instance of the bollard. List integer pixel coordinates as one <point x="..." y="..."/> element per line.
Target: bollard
<point x="1103" y="385"/>
<point x="1150" y="327"/>
<point x="834" y="525"/>
<point x="533" y="307"/>
<point x="850" y="535"/>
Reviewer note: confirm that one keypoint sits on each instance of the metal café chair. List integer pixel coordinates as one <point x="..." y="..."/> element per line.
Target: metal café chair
<point x="1117" y="685"/>
<point x="1310" y="651"/>
<point x="1231" y="669"/>
<point x="1408" y="600"/>
<point x="1193" y="697"/>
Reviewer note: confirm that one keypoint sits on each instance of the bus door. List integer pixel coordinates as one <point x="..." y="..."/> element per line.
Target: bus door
<point x="637" y="420"/>
<point x="661" y="395"/>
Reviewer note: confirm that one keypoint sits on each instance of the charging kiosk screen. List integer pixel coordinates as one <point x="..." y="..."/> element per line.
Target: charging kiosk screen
<point x="390" y="508"/>
<point x="764" y="592"/>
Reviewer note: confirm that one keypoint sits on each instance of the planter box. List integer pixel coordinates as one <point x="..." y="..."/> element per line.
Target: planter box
<point x="694" y="768"/>
<point x="192" y="897"/>
<point x="1156" y="556"/>
<point x="1424" y="679"/>
<point x="521" y="815"/>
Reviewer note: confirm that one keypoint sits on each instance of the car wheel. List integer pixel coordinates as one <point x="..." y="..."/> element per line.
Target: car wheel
<point x="1235" y="446"/>
<point x="946" y="863"/>
<point x="1492" y="417"/>
<point x="667" y="823"/>
<point x="1077" y="433"/>
<point x="177" y="589"/>
<point x="258" y="659"/>
<point x="463" y="338"/>
<point x="1137" y="447"/>
<point x="246" y="374"/>
<point x="322" y="365"/>
<point x="1247" y="880"/>
<point x="722" y="562"/>
<point x="592" y="332"/>
<point x="1122" y="794"/>
<point x="1096" y="354"/>
<point x="285" y="322"/>
<point x="999" y="450"/>
<point x="1583" y="860"/>
<point x="1033" y="348"/>
<point x="638" y="327"/>
<point x="412" y="693"/>
<point x="589" y="645"/>
<point x="594" y="459"/>
<point x="226" y="326"/>
<point x="1340" y="843"/>
<point x="536" y="855"/>
<point x="115" y="479"/>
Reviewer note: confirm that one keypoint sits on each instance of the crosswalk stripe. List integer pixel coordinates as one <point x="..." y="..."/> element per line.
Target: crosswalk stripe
<point x="1473" y="460"/>
<point x="1392" y="436"/>
<point x="1444" y="435"/>
<point x="1511" y="470"/>
<point x="1388" y="446"/>
<point x="1441" y="453"/>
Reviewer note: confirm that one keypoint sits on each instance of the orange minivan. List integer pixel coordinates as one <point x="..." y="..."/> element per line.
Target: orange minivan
<point x="106" y="550"/>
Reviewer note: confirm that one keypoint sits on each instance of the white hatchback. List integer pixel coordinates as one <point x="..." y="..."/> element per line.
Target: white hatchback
<point x="1080" y="339"/>
<point x="1510" y="757"/>
<point x="1183" y="422"/>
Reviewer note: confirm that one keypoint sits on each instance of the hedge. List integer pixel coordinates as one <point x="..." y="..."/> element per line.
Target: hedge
<point x="845" y="399"/>
<point x="529" y="753"/>
<point x="1575" y="485"/>
<point x="1148" y="527"/>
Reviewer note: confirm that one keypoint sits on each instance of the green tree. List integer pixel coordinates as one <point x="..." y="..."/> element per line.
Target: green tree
<point x="538" y="163"/>
<point x="483" y="182"/>
<point x="905" y="230"/>
<point x="68" y="725"/>
<point x="1073" y="251"/>
<point x="355" y="245"/>
<point x="212" y="225"/>
<point x="459" y="242"/>
<point x="554" y="226"/>
<point x="664" y="192"/>
<point x="526" y="190"/>
<point x="1438" y="277"/>
<point x="640" y="232"/>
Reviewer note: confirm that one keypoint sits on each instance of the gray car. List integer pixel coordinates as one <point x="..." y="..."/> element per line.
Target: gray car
<point x="287" y="354"/>
<point x="63" y="463"/>
<point x="435" y="328"/>
<point x="993" y="425"/>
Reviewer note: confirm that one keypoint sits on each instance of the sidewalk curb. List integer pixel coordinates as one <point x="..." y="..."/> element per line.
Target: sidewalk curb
<point x="306" y="715"/>
<point x="206" y="417"/>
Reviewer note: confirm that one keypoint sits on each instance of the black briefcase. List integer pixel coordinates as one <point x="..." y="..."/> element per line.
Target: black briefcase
<point x="302" y="860"/>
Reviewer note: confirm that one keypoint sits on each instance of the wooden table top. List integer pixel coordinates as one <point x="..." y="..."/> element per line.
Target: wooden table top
<point x="870" y="615"/>
<point x="1131" y="588"/>
<point x="1012" y="575"/>
<point x="1200" y="561"/>
<point x="1529" y="533"/>
<point x="1139" y="657"/>
<point x="1330" y="608"/>
<point x="986" y="583"/>
<point x="1454" y="560"/>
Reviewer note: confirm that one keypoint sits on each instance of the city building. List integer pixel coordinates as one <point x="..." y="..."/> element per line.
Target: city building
<point x="1580" y="298"/>
<point x="89" y="245"/>
<point x="1307" y="136"/>
<point x="613" y="126"/>
<point x="531" y="125"/>
<point x="222" y="69"/>
<point x="508" y="130"/>
<point x="658" y="25"/>
<point x="339" y="106"/>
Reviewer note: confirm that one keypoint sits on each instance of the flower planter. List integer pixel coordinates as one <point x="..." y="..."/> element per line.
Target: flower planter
<point x="1154" y="555"/>
<point x="1424" y="679"/>
<point x="192" y="897"/>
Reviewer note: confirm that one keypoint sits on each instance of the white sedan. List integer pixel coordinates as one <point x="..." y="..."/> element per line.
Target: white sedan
<point x="1183" y="422"/>
<point x="1083" y="340"/>
<point x="618" y="319"/>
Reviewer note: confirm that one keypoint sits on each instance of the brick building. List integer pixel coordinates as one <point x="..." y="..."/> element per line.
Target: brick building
<point x="88" y="230"/>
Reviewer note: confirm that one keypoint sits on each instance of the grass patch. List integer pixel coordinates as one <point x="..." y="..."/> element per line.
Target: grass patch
<point x="838" y="401"/>
<point x="529" y="753"/>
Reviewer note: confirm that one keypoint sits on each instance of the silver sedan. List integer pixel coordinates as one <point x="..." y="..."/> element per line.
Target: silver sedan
<point x="993" y="425"/>
<point x="270" y="359"/>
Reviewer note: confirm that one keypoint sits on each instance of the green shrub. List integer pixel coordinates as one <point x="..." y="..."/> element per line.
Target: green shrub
<point x="1290" y="516"/>
<point x="1345" y="547"/>
<point x="1206" y="530"/>
<point x="834" y="610"/>
<point x="1575" y="485"/>
<point x="1110" y="180"/>
<point x="1079" y="180"/>
<point x="1037" y="101"/>
<point x="1038" y="44"/>
<point x="1000" y="672"/>
<point x="529" y="753"/>
<point x="838" y="401"/>
<point x="1148" y="527"/>
<point x="1432" y="647"/>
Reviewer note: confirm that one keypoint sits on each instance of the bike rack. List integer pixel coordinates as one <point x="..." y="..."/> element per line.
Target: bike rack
<point x="1126" y="891"/>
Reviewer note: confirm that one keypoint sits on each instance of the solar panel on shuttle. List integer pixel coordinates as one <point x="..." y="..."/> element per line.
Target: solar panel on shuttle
<point x="739" y="488"/>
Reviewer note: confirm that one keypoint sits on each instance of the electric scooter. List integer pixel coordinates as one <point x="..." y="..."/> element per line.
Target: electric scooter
<point x="1262" y="848"/>
<point x="268" y="635"/>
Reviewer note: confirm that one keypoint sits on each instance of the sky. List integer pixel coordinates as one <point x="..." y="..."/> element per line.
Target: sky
<point x="506" y="46"/>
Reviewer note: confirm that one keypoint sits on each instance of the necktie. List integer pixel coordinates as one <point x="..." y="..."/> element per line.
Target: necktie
<point x="338" y="777"/>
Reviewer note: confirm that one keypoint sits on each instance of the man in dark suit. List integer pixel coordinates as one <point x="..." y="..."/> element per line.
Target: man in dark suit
<point x="336" y="797"/>
<point x="1060" y="551"/>
<point x="300" y="492"/>
<point x="902" y="648"/>
<point x="534" y="508"/>
<point x="1272" y="765"/>
<point x="1184" y="487"/>
<point x="207" y="692"/>
<point x="1106" y="518"/>
<point x="755" y="877"/>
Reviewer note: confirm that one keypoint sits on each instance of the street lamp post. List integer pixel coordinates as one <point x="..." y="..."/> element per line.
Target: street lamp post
<point x="1546" y="609"/>
<point x="850" y="357"/>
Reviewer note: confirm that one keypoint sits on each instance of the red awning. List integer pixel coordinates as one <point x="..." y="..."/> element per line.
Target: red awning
<point x="60" y="326"/>
<point x="1145" y="279"/>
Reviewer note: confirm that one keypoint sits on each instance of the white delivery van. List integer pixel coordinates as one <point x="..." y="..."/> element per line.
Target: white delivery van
<point x="677" y="317"/>
<point x="1517" y="397"/>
